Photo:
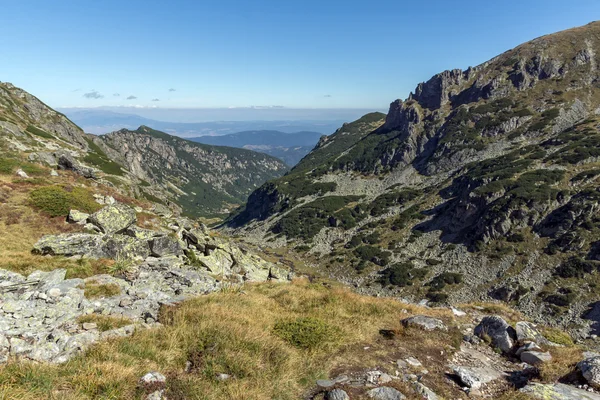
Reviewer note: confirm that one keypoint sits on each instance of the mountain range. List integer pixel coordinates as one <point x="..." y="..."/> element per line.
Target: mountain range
<point x="289" y="147"/>
<point x="482" y="184"/>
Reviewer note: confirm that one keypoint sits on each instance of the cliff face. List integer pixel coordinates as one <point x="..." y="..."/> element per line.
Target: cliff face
<point x="490" y="173"/>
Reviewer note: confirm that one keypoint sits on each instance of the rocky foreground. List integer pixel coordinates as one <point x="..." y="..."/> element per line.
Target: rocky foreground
<point x="41" y="314"/>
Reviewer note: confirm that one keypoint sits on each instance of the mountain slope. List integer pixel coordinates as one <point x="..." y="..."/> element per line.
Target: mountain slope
<point x="484" y="178"/>
<point x="204" y="180"/>
<point x="289" y="147"/>
<point x="200" y="180"/>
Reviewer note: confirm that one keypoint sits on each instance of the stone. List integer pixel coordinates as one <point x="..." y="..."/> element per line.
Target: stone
<point x="153" y="378"/>
<point x="68" y="244"/>
<point x="457" y="312"/>
<point x="123" y="247"/>
<point x="156" y="395"/>
<point x="590" y="369"/>
<point x="77" y="217"/>
<point x="425" y="392"/>
<point x="141" y="233"/>
<point x="114" y="218"/>
<point x="424" y="322"/>
<point x="66" y="161"/>
<point x="535" y="357"/>
<point x="526" y="331"/>
<point x="468" y="377"/>
<point x="53" y="173"/>
<point x="385" y="393"/>
<point x="44" y="352"/>
<point x="413" y="362"/>
<point x="21" y="173"/>
<point x="498" y="331"/>
<point x="557" y="391"/>
<point x="378" y="377"/>
<point x="223" y="377"/>
<point x="165" y="245"/>
<point x="88" y="326"/>
<point x="475" y="377"/>
<point x="337" y="394"/>
<point x="325" y="383"/>
<point x="531" y="346"/>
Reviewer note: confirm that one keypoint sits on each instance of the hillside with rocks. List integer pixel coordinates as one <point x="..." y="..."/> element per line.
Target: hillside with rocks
<point x="446" y="250"/>
<point x="174" y="173"/>
<point x="481" y="185"/>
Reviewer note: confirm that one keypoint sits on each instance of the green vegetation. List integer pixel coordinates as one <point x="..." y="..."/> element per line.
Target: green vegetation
<point x="446" y="278"/>
<point x="575" y="267"/>
<point x="105" y="322"/>
<point x="373" y="254"/>
<point x="401" y="274"/>
<point x="57" y="201"/>
<point x="306" y="221"/>
<point x="97" y="157"/>
<point x="306" y="332"/>
<point x="380" y="205"/>
<point x="39" y="132"/>
<point x="94" y="290"/>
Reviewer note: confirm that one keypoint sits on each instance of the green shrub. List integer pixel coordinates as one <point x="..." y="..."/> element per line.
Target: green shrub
<point x="373" y="254"/>
<point x="306" y="332"/>
<point x="58" y="201"/>
<point x="443" y="279"/>
<point x="575" y="267"/>
<point x="437" y="297"/>
<point x="401" y="274"/>
<point x="39" y="132"/>
<point x="8" y="165"/>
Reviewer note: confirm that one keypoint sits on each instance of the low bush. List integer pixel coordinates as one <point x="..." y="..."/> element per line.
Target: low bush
<point x="57" y="201"/>
<point x="574" y="267"/>
<point x="306" y="332"/>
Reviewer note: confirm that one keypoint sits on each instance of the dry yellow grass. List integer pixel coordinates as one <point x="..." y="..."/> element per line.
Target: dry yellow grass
<point x="233" y="333"/>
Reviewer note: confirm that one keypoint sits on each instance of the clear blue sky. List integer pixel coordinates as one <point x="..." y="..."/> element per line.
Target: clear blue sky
<point x="308" y="53"/>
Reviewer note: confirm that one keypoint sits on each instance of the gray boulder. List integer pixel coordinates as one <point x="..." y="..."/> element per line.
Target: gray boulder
<point x="68" y="244"/>
<point x="66" y="161"/>
<point x="165" y="245"/>
<point x="424" y="322"/>
<point x="425" y="392"/>
<point x="337" y="394"/>
<point x="498" y="331"/>
<point x="77" y="217"/>
<point x="475" y="377"/>
<point x="535" y="357"/>
<point x="114" y="218"/>
<point x="124" y="247"/>
<point x="527" y="332"/>
<point x="557" y="391"/>
<point x="385" y="393"/>
<point x="590" y="369"/>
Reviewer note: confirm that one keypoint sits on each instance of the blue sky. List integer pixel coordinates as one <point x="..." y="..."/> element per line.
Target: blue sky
<point x="299" y="54"/>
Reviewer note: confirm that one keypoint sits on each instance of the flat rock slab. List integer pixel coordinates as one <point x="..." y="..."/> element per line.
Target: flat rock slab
<point x="590" y="369"/>
<point x="424" y="322"/>
<point x="475" y="377"/>
<point x="558" y="391"/>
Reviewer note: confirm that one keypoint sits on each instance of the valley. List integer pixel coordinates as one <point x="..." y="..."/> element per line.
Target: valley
<point x="449" y="249"/>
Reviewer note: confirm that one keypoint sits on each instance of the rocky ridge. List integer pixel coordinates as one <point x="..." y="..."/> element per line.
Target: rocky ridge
<point x="489" y="174"/>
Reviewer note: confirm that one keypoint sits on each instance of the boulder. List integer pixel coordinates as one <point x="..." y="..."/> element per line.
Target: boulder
<point x="165" y="245"/>
<point x="153" y="378"/>
<point x="124" y="247"/>
<point x="385" y="393"/>
<point x="114" y="218"/>
<point x="77" y="217"/>
<point x="535" y="357"/>
<point x="425" y="392"/>
<point x="141" y="233"/>
<point x="531" y="346"/>
<point x="475" y="377"/>
<point x="498" y="331"/>
<point x="66" y="161"/>
<point x="557" y="391"/>
<point x="590" y="369"/>
<point x="337" y="394"/>
<point x="68" y="244"/>
<point x="527" y="332"/>
<point x="22" y="174"/>
<point x="424" y="322"/>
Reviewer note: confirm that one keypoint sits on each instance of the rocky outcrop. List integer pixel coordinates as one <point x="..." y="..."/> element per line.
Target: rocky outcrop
<point x="497" y="331"/>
